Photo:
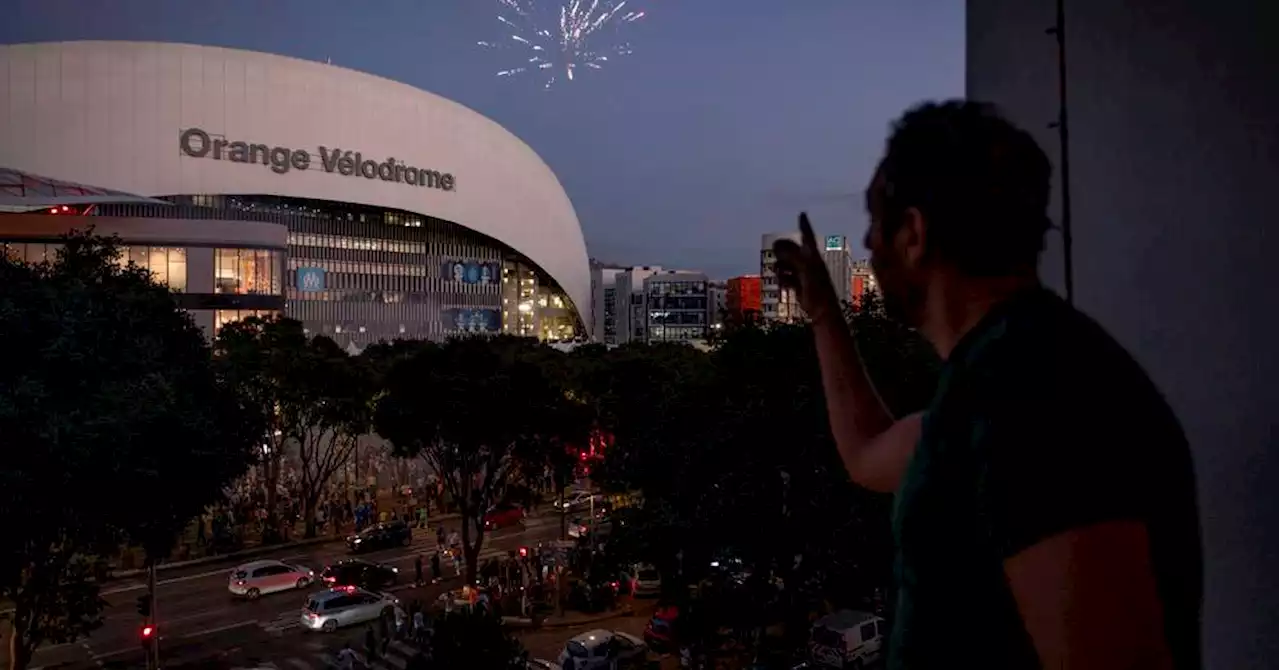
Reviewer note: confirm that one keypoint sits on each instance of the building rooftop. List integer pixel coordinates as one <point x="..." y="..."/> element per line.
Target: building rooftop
<point x="24" y="190"/>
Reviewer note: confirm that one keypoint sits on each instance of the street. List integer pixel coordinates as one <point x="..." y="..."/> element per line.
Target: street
<point x="197" y="618"/>
<point x="255" y="648"/>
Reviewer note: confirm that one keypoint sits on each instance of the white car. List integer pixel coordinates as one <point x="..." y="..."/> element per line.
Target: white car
<point x="254" y="579"/>
<point x="645" y="581"/>
<point x="578" y="500"/>
<point x="602" y="650"/>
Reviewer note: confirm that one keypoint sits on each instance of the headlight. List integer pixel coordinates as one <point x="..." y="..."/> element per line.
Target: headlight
<point x="395" y="570"/>
<point x="357" y="540"/>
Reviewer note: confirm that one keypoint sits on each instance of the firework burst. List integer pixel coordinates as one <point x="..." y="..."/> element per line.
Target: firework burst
<point x="555" y="40"/>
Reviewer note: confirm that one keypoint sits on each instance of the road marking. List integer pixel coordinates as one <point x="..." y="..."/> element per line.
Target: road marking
<point x="210" y="631"/>
<point x="219" y="629"/>
<point x="187" y="578"/>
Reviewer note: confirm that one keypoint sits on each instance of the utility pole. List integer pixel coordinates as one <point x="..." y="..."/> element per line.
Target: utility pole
<point x="155" y="617"/>
<point x="149" y="633"/>
<point x="1064" y="150"/>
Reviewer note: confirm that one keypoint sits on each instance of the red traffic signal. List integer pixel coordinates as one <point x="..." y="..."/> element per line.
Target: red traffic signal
<point x="524" y="552"/>
<point x="148" y="632"/>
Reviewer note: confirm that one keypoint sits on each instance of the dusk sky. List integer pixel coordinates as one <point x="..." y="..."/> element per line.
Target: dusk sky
<point x="729" y="117"/>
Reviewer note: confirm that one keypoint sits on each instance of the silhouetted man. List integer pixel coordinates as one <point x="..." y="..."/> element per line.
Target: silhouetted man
<point x="1045" y="512"/>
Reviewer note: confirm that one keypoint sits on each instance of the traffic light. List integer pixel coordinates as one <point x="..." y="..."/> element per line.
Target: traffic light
<point x="147" y="633"/>
<point x="524" y="552"/>
<point x="144" y="606"/>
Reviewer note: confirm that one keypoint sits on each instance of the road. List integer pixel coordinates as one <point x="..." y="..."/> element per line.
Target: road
<point x="256" y="649"/>
<point x="197" y="616"/>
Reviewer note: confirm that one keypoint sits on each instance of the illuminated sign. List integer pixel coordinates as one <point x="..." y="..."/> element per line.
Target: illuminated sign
<point x="310" y="280"/>
<point x="835" y="242"/>
<point x="197" y="143"/>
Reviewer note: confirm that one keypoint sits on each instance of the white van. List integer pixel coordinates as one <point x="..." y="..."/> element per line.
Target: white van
<point x="847" y="640"/>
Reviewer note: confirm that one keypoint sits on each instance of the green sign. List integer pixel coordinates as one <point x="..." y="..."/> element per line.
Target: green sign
<point x="835" y="242"/>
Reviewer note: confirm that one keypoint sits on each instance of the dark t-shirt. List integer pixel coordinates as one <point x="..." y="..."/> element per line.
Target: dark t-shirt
<point x="1041" y="423"/>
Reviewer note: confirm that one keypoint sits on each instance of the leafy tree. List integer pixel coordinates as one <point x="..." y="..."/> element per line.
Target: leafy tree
<point x="733" y="453"/>
<point x="106" y="387"/>
<point x="467" y="639"/>
<point x="901" y="363"/>
<point x="327" y="406"/>
<point x="315" y="399"/>
<point x="466" y="408"/>
<point x="258" y="355"/>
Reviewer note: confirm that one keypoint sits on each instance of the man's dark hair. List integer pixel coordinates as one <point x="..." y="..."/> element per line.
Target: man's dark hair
<point x="981" y="183"/>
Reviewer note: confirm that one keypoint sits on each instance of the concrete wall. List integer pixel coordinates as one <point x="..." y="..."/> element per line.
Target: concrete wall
<point x="1173" y="178"/>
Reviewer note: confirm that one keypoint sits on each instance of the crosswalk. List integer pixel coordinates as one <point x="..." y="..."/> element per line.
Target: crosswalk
<point x="397" y="658"/>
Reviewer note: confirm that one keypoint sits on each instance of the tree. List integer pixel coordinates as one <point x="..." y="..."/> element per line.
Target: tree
<point x="326" y="406"/>
<point x="116" y="426"/>
<point x="258" y="356"/>
<point x="475" y="640"/>
<point x="466" y="408"/>
<point x="900" y="362"/>
<point x="733" y="453"/>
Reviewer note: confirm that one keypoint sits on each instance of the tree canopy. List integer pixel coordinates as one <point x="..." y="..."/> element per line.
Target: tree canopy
<point x="471" y="409"/>
<point x="116" y="427"/>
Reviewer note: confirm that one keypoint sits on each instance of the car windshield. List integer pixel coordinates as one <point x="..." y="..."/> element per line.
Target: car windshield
<point x="241" y="574"/>
<point x="648" y="575"/>
<point x="576" y="649"/>
<point x="313" y="606"/>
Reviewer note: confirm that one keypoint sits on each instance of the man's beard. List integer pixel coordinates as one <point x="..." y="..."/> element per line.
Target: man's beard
<point x="903" y="301"/>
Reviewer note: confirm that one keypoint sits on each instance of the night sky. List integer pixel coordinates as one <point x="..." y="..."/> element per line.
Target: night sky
<point x="729" y="117"/>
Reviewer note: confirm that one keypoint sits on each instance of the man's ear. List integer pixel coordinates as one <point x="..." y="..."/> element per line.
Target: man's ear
<point x="910" y="240"/>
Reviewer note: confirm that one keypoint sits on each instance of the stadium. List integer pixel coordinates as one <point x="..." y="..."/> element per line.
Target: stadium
<point x="253" y="183"/>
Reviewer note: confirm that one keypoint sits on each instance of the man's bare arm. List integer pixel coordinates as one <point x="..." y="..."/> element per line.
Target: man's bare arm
<point x="1088" y="599"/>
<point x="875" y="448"/>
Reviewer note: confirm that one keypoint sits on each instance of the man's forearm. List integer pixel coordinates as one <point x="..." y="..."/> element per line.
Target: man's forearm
<point x="856" y="413"/>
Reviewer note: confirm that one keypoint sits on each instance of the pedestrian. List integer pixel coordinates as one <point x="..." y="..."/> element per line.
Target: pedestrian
<point x="435" y="568"/>
<point x="347" y="657"/>
<point x="440" y="538"/>
<point x="385" y="629"/>
<point x="419" y="628"/>
<point x="417" y="570"/>
<point x="370" y="646"/>
<point x="1047" y="464"/>
<point x="402" y="624"/>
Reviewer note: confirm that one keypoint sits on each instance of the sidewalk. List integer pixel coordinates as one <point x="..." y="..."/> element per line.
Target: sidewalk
<point x="568" y="619"/>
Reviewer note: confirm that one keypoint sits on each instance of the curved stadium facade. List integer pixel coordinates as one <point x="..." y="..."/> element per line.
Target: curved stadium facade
<point x="259" y="184"/>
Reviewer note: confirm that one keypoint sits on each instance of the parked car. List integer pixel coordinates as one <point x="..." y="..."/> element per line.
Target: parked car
<point x="594" y="592"/>
<point x="381" y="536"/>
<point x="602" y="650"/>
<point x="577" y="500"/>
<point x="361" y="574"/>
<point x="502" y="516"/>
<point x="847" y="639"/>
<point x="327" y="611"/>
<point x="254" y="579"/>
<point x="645" y="581"/>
